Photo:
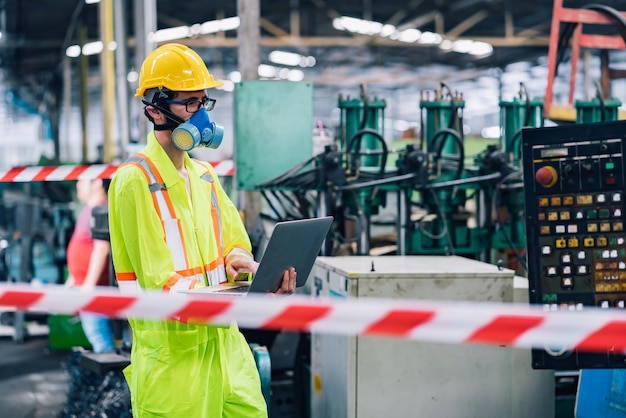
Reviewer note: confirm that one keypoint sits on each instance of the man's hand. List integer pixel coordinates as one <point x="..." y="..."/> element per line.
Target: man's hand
<point x="241" y="265"/>
<point x="288" y="284"/>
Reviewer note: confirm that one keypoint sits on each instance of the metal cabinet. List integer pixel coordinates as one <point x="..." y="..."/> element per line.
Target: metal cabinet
<point x="377" y="377"/>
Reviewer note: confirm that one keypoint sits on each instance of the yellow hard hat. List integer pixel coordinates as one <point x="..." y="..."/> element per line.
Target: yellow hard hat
<point x="175" y="67"/>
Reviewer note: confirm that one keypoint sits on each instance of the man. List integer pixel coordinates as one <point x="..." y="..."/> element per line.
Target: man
<point x="88" y="262"/>
<point x="173" y="227"/>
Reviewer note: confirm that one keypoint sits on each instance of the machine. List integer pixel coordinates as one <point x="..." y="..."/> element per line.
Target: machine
<point x="574" y="188"/>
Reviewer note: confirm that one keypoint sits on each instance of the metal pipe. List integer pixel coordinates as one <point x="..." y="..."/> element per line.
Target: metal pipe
<point x="107" y="64"/>
<point x="145" y="23"/>
<point x="121" y="85"/>
<point x="402" y="221"/>
<point x="84" y="74"/>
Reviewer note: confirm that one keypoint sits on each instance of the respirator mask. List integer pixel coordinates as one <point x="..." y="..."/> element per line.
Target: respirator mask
<point x="197" y="131"/>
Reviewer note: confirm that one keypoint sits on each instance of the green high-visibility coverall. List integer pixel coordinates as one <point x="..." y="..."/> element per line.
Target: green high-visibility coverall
<point x="180" y="369"/>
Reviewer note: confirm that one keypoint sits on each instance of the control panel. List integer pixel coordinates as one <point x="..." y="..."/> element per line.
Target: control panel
<point x="574" y="196"/>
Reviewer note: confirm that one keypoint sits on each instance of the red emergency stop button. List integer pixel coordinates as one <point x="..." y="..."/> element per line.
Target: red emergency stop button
<point x="546" y="176"/>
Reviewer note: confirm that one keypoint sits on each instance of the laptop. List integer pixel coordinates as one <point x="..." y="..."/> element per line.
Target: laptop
<point x="292" y="244"/>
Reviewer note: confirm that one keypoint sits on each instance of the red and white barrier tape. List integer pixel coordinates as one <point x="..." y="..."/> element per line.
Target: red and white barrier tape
<point x="489" y="323"/>
<point x="79" y="172"/>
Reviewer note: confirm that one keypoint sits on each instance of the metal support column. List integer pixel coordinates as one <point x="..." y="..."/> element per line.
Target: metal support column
<point x="121" y="84"/>
<point x="107" y="64"/>
<point x="145" y="23"/>
<point x="248" y="57"/>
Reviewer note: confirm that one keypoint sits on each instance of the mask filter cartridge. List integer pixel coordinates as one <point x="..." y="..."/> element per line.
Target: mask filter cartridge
<point x="198" y="131"/>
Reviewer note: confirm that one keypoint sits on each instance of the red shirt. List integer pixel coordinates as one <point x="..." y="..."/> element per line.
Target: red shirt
<point x="79" y="250"/>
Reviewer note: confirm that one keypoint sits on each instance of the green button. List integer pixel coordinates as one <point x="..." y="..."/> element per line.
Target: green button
<point x="610" y="165"/>
<point x="604" y="213"/>
<point x="592" y="214"/>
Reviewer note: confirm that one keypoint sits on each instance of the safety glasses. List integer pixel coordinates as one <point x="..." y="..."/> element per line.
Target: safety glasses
<point x="193" y="105"/>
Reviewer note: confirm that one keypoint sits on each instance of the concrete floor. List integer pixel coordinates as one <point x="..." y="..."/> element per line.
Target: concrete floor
<point x="33" y="382"/>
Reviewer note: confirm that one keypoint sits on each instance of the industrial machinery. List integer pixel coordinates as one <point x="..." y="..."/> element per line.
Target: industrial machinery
<point x="574" y="187"/>
<point x="431" y="181"/>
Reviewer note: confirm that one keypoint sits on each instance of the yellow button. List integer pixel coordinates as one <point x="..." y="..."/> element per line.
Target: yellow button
<point x="588" y="242"/>
<point x="560" y="243"/>
<point x="544" y="201"/>
<point x="541" y="216"/>
<point x="555" y="201"/>
<point x="601" y="241"/>
<point x="553" y="216"/>
<point x="565" y="216"/>
<point x="592" y="227"/>
<point x="585" y="199"/>
<point x="568" y="200"/>
<point x="618" y="226"/>
<point x="605" y="227"/>
<point x="572" y="242"/>
<point x="544" y="230"/>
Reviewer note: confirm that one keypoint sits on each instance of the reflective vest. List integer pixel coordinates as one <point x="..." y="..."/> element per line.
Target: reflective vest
<point x="186" y="276"/>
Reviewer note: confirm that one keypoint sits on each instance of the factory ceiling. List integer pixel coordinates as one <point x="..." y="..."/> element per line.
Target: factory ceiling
<point x="403" y="47"/>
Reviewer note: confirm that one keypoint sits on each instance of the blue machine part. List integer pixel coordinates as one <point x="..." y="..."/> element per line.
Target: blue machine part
<point x="44" y="267"/>
<point x="264" y="366"/>
<point x="601" y="393"/>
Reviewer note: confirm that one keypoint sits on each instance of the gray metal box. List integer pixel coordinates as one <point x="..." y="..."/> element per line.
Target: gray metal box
<point x="385" y="377"/>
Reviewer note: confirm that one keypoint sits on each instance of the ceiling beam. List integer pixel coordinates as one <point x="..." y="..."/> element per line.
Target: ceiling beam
<point x="420" y="20"/>
<point x="402" y="13"/>
<point x="294" y="17"/>
<point x="317" y="41"/>
<point x="467" y="24"/>
<point x="272" y="28"/>
<point x="342" y="41"/>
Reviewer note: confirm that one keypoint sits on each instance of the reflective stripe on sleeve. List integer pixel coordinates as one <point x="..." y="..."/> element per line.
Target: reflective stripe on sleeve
<point x="239" y="252"/>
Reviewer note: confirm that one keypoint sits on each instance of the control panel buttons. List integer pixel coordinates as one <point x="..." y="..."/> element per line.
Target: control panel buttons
<point x="546" y="176"/>
<point x="580" y="216"/>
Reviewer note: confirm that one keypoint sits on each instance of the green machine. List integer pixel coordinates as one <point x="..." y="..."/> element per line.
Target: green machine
<point x="464" y="209"/>
<point x="597" y="110"/>
<point x="365" y="156"/>
<point x="521" y="112"/>
<point x="440" y="226"/>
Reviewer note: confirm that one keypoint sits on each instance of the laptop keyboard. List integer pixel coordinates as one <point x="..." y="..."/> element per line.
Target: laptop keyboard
<point x="238" y="289"/>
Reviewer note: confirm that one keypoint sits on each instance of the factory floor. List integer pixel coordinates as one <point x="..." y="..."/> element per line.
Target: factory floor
<point x="33" y="381"/>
